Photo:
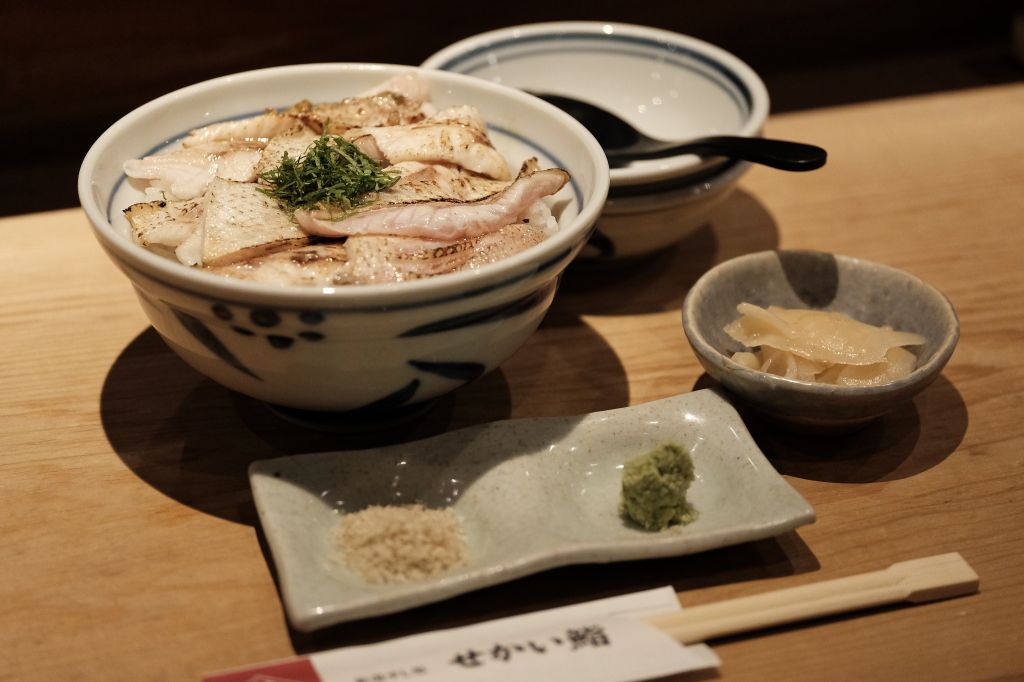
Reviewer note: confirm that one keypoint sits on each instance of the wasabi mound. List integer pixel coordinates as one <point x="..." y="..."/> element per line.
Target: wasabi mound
<point x="654" y="488"/>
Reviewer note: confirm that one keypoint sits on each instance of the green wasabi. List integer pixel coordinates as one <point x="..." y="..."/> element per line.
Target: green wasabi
<point x="654" y="488"/>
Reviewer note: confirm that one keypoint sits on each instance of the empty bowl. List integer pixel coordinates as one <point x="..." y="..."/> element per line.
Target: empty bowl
<point x="869" y="292"/>
<point x="668" y="85"/>
<point x="665" y="84"/>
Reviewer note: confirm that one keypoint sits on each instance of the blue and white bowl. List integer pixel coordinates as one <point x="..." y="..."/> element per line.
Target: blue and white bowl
<point x="667" y="85"/>
<point x="345" y="348"/>
<point x="638" y="221"/>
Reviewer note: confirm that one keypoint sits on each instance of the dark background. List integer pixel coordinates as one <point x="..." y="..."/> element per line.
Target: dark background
<point x="69" y="71"/>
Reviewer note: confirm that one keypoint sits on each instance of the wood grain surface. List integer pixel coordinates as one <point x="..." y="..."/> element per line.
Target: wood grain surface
<point x="129" y="547"/>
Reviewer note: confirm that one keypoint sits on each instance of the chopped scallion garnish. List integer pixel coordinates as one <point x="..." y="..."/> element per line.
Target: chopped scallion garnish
<point x="332" y="174"/>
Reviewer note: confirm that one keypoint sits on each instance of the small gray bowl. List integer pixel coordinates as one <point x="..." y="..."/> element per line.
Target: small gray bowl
<point x="869" y="292"/>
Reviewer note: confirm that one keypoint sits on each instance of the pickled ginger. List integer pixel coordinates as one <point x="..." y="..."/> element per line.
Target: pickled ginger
<point x="821" y="346"/>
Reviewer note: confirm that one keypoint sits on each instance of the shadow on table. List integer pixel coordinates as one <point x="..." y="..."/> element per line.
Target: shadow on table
<point x="784" y="555"/>
<point x="193" y="440"/>
<point x="660" y="281"/>
<point x="903" y="443"/>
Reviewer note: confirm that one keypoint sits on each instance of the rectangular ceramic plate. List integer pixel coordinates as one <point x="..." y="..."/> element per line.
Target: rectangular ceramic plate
<point x="531" y="494"/>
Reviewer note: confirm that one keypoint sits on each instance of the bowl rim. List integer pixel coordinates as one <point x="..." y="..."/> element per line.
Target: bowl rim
<point x="550" y="252"/>
<point x="679" y="167"/>
<point x="923" y="372"/>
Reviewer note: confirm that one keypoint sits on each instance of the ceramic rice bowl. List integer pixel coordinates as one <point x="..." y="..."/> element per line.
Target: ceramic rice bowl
<point x="358" y="347"/>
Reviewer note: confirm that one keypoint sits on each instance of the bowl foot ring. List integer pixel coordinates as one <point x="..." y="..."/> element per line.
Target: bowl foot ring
<point x="362" y="420"/>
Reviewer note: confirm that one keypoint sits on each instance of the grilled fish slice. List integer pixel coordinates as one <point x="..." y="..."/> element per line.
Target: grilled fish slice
<point x="293" y="143"/>
<point x="396" y="259"/>
<point x="256" y="130"/>
<point x="185" y="173"/>
<point x="409" y="85"/>
<point x="310" y="265"/>
<point x="173" y="224"/>
<point x="240" y="221"/>
<point x="432" y="182"/>
<point x="441" y="220"/>
<point x="164" y="223"/>
<point x="456" y="136"/>
<point x="508" y="241"/>
<point x="378" y="260"/>
<point x="385" y="109"/>
<point x="397" y="101"/>
<point x="233" y="221"/>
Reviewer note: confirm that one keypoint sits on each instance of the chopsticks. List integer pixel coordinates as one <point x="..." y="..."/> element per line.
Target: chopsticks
<point x="920" y="580"/>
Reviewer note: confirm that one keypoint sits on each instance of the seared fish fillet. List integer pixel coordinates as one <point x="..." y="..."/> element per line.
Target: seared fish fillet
<point x="294" y="144"/>
<point x="377" y="260"/>
<point x="397" y="101"/>
<point x="173" y="224"/>
<point x="409" y="85"/>
<point x="255" y="129"/>
<point x="456" y="136"/>
<point x="432" y="182"/>
<point x="441" y="220"/>
<point x="233" y="221"/>
<point x="164" y="223"/>
<point x="385" y="109"/>
<point x="241" y="221"/>
<point x="185" y="173"/>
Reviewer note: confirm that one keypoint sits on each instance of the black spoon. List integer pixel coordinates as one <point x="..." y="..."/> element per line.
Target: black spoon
<point x="623" y="143"/>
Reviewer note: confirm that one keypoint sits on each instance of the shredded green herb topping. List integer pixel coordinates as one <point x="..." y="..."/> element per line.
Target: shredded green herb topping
<point x="331" y="174"/>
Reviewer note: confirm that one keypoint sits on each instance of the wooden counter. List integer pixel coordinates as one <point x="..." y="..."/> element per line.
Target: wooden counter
<point x="129" y="544"/>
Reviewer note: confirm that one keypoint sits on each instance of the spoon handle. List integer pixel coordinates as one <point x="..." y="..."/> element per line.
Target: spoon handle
<point x="781" y="154"/>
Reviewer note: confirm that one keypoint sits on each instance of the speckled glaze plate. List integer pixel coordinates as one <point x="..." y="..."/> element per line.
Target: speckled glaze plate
<point x="531" y="494"/>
